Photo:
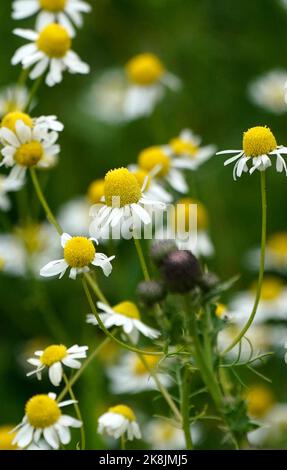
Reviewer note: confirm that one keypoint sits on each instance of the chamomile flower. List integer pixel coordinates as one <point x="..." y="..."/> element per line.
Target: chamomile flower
<point x="131" y="375"/>
<point x="65" y="12"/>
<point x="74" y="217"/>
<point x="43" y="417"/>
<point x="118" y="421"/>
<point x="123" y="201"/>
<point x="275" y="255"/>
<point x="148" y="80"/>
<point x="272" y="306"/>
<point x="6" y="438"/>
<point x="7" y="185"/>
<point x="79" y="254"/>
<point x="161" y="434"/>
<point x="28" y="146"/>
<point x="268" y="91"/>
<point x="126" y="315"/>
<point x="158" y="162"/>
<point x="12" y="256"/>
<point x="188" y="227"/>
<point x="187" y="150"/>
<point x="12" y="98"/>
<point x="49" y="49"/>
<point x="54" y="357"/>
<point x="273" y="427"/>
<point x="152" y="187"/>
<point x="259" y="149"/>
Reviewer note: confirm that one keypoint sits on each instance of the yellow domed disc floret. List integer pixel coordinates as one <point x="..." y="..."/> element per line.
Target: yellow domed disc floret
<point x="53" y="5"/>
<point x="79" y="252"/>
<point x="128" y="309"/>
<point x="152" y="157"/>
<point x="258" y="141"/>
<point x="6" y="438"/>
<point x="220" y="310"/>
<point x="140" y="368"/>
<point x="123" y="410"/>
<point x="52" y="354"/>
<point x="10" y="119"/>
<point x="183" y="212"/>
<point x="277" y="243"/>
<point x="42" y="411"/>
<point x="96" y="191"/>
<point x="259" y="400"/>
<point x="121" y="188"/>
<point x="271" y="288"/>
<point x="54" y="41"/>
<point x="29" y="154"/>
<point x="145" y="69"/>
<point x="183" y="147"/>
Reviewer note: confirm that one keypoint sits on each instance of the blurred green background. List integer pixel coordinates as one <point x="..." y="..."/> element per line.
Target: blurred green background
<point x="216" y="47"/>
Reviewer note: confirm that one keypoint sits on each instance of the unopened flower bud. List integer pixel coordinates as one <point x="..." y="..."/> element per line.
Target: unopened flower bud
<point x="151" y="292"/>
<point x="160" y="249"/>
<point x="181" y="271"/>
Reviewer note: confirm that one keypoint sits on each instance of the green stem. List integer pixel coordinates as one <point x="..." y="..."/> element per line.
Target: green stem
<point x="123" y="442"/>
<point x="142" y="259"/>
<point x="43" y="201"/>
<point x="33" y="91"/>
<point x="79" y="372"/>
<point x="94" y="285"/>
<point x="105" y="330"/>
<point x="185" y="391"/>
<point x="77" y="410"/>
<point x="261" y="269"/>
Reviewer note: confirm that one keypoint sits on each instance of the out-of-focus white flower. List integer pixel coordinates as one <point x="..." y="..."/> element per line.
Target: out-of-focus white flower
<point x="269" y="91"/>
<point x="273" y="427"/>
<point x="118" y="421"/>
<point x="188" y="227"/>
<point x="7" y="185"/>
<point x="54" y="357"/>
<point x="125" y="315"/>
<point x="148" y="80"/>
<point x="131" y="375"/>
<point x="272" y="306"/>
<point x="12" y="98"/>
<point x="187" y="150"/>
<point x="12" y="256"/>
<point x="43" y="417"/>
<point x="259" y="149"/>
<point x="65" y="12"/>
<point x="74" y="217"/>
<point x="275" y="254"/>
<point x="49" y="49"/>
<point x="162" y="435"/>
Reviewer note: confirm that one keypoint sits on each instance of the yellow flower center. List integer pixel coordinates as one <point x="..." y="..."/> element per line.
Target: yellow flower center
<point x="183" y="147"/>
<point x="42" y="411"/>
<point x="183" y="213"/>
<point x="53" y="5"/>
<point x="121" y="188"/>
<point x="139" y="367"/>
<point x="277" y="243"/>
<point x="52" y="354"/>
<point x="29" y="154"/>
<point x="165" y="432"/>
<point x="123" y="410"/>
<point x="30" y="236"/>
<point x="128" y="309"/>
<point x="96" y="191"/>
<point x="79" y="252"/>
<point x="271" y="288"/>
<point x="258" y="141"/>
<point x="10" y="119"/>
<point x="144" y="69"/>
<point x="151" y="157"/>
<point x="54" y="41"/>
<point x="6" y="438"/>
<point x="2" y="263"/>
<point x="220" y="310"/>
<point x="259" y="401"/>
<point x="142" y="177"/>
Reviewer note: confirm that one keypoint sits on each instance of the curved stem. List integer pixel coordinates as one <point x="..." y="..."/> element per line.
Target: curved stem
<point x="79" y="372"/>
<point x="33" y="91"/>
<point x="142" y="259"/>
<point x="77" y="410"/>
<point x="261" y="269"/>
<point x="185" y="390"/>
<point x="50" y="216"/>
<point x="94" y="285"/>
<point x="106" y="331"/>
